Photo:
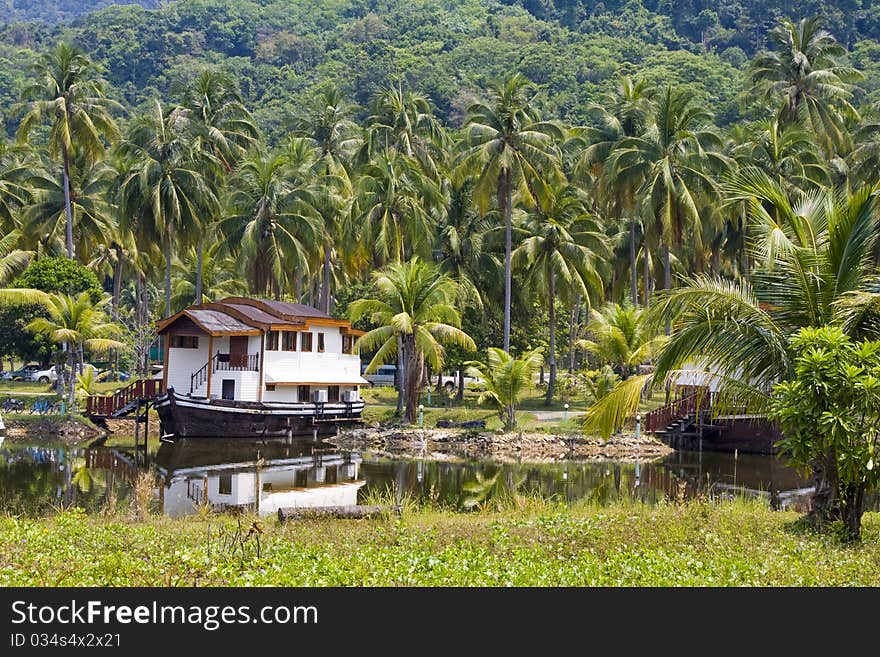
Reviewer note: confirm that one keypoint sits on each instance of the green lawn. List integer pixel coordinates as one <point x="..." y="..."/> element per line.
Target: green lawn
<point x="528" y="543"/>
<point x="382" y="401"/>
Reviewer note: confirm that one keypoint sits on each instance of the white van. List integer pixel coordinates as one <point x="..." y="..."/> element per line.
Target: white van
<point x="383" y="376"/>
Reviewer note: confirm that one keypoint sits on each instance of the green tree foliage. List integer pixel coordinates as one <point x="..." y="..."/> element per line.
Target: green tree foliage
<point x="415" y="317"/>
<point x="830" y="415"/>
<point x="506" y="380"/>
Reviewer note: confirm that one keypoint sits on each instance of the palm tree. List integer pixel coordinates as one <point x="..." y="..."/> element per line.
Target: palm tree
<point x="785" y="152"/>
<point x="225" y="129"/>
<point x="168" y="191"/>
<point x="85" y="199"/>
<point x="673" y="160"/>
<point x="326" y="123"/>
<point x="219" y="277"/>
<point x="621" y="337"/>
<point x="559" y="251"/>
<point x="510" y="151"/>
<point x="12" y="259"/>
<point x="623" y="114"/>
<point x="464" y="252"/>
<point x="272" y="223"/>
<point x="814" y="268"/>
<point x="68" y="93"/>
<point x="393" y="203"/>
<point x="403" y="121"/>
<point x="806" y="75"/>
<point x="415" y="315"/>
<point x="80" y="324"/>
<point x="506" y="379"/>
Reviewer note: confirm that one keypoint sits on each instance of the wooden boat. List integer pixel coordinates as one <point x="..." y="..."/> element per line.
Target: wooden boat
<point x="182" y="416"/>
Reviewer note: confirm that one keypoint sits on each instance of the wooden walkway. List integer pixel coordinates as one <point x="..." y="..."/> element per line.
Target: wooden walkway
<point x="125" y="400"/>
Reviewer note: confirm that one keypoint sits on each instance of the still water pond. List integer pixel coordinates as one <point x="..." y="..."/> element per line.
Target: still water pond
<point x="265" y="475"/>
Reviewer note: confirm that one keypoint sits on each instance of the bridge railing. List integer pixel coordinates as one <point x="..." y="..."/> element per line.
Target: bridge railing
<point x="662" y="417"/>
<point x="106" y="405"/>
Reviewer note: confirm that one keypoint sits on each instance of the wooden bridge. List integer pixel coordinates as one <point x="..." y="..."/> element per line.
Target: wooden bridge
<point x="683" y="416"/>
<point x="125" y="400"/>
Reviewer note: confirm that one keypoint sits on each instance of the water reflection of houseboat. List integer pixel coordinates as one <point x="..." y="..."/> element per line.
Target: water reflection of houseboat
<point x="260" y="476"/>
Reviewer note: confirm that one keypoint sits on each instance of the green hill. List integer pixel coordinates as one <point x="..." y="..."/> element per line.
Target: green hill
<point x="447" y="49"/>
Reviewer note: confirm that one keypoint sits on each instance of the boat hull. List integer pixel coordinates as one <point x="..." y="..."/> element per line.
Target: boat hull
<point x="187" y="417"/>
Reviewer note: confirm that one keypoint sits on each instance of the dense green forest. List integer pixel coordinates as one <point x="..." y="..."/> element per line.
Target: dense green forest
<point x="446" y="49"/>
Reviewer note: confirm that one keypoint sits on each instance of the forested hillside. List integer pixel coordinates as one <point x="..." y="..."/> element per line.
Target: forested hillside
<point x="446" y="49"/>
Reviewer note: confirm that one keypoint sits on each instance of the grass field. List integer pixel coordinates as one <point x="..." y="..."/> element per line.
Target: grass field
<point x="528" y="543"/>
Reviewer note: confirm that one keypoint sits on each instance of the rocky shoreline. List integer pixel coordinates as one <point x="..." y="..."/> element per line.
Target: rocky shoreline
<point x="70" y="431"/>
<point x="519" y="446"/>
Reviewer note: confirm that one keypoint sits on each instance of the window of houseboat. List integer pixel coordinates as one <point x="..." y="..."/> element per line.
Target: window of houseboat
<point x="303" y="394"/>
<point x="224" y="485"/>
<point x="272" y="341"/>
<point x="289" y="340"/>
<point x="306" y="341"/>
<point x="320" y="342"/>
<point x="185" y="341"/>
<point x="333" y="393"/>
<point x="346" y="344"/>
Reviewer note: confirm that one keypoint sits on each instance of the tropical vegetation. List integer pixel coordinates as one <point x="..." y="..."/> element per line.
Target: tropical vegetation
<point x="687" y="189"/>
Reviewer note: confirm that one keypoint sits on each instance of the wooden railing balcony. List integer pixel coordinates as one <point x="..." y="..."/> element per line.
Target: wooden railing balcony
<point x="236" y="362"/>
<point x="662" y="417"/>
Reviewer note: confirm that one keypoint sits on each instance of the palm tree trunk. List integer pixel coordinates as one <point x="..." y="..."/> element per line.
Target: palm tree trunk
<point x="634" y="277"/>
<point x="575" y="319"/>
<point x="168" y="276"/>
<point x="646" y="293"/>
<point x="551" y="387"/>
<point x="200" y="255"/>
<point x="667" y="279"/>
<point x="117" y="284"/>
<point x="325" y="287"/>
<point x="459" y="394"/>
<point x="299" y="285"/>
<point x="67" y="209"/>
<point x="71" y="387"/>
<point x="414" y="369"/>
<point x="508" y="246"/>
<point x="400" y="374"/>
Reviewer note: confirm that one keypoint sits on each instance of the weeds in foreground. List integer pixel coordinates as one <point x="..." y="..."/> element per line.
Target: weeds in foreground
<point x="143" y="495"/>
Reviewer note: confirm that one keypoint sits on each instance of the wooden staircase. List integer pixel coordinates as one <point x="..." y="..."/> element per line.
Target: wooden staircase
<point x="125" y="400"/>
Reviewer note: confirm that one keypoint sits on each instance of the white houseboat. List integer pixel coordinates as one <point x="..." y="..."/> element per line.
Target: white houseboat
<point x="242" y="367"/>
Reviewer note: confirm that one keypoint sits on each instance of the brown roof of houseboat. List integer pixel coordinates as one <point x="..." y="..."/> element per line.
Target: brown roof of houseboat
<point x="242" y="315"/>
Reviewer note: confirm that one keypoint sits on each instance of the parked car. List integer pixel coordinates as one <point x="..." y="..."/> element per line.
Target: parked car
<point x="21" y="374"/>
<point x="383" y="376"/>
<point x="450" y="382"/>
<point x="50" y="375"/>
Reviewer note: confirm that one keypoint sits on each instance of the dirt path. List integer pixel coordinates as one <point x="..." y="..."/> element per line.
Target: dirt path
<point x="545" y="416"/>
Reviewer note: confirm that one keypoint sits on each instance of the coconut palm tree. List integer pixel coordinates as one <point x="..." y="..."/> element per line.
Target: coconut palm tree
<point x="415" y="315"/>
<point x="272" y="223"/>
<point x="168" y="191"/>
<point x="506" y="379"/>
<point x="393" y="202"/>
<point x="560" y="248"/>
<point x="86" y="199"/>
<point x="403" y="121"/>
<point x="674" y="161"/>
<point x="805" y="75"/>
<point x="622" y="114"/>
<point x="81" y="325"/>
<point x="68" y="93"/>
<point x="219" y="277"/>
<point x="621" y="337"/>
<point x="786" y="152"/>
<point x="464" y="252"/>
<point x="510" y="151"/>
<point x="224" y="128"/>
<point x="814" y="268"/>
